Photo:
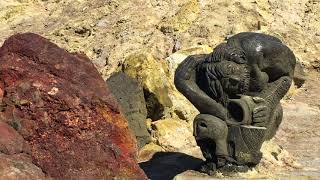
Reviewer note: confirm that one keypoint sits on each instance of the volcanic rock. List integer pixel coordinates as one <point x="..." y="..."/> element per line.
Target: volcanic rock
<point x="151" y="74"/>
<point x="300" y="76"/>
<point x="133" y="105"/>
<point x="11" y="142"/>
<point x="60" y="105"/>
<point x="173" y="135"/>
<point x="15" y="161"/>
<point x="19" y="166"/>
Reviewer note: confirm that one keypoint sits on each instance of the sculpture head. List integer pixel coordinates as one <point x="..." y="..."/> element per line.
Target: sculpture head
<point x="223" y="79"/>
<point x="234" y="77"/>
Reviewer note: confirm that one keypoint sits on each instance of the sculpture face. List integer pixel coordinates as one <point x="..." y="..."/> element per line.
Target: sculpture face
<point x="218" y="86"/>
<point x="223" y="79"/>
<point x="234" y="77"/>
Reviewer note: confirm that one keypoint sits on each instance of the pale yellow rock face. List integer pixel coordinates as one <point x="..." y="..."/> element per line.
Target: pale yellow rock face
<point x="176" y="58"/>
<point x="155" y="77"/>
<point x="151" y="73"/>
<point x="109" y="31"/>
<point x="274" y="156"/>
<point x="175" y="135"/>
<point x="148" y="151"/>
<point x="183" y="19"/>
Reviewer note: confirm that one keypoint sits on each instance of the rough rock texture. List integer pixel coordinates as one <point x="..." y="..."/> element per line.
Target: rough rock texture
<point x="162" y="98"/>
<point x="300" y="75"/>
<point x="174" y="135"/>
<point x="183" y="19"/>
<point x="148" y="151"/>
<point x="15" y="161"/>
<point x="11" y="142"/>
<point x="299" y="133"/>
<point x="132" y="104"/>
<point x="61" y="106"/>
<point x="109" y="31"/>
<point x="151" y="74"/>
<point x="19" y="166"/>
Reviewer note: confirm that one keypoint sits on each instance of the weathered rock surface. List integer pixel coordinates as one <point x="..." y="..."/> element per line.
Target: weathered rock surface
<point x="174" y="135"/>
<point x="300" y="75"/>
<point x="183" y="19"/>
<point x="15" y="161"/>
<point x="132" y="104"/>
<point x="19" y="166"/>
<point x="11" y="142"/>
<point x="148" y="151"/>
<point x="109" y="31"/>
<point x="162" y="98"/>
<point x="151" y="74"/>
<point x="62" y="108"/>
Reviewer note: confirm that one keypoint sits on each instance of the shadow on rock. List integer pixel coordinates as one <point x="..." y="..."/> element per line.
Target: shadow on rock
<point x="166" y="165"/>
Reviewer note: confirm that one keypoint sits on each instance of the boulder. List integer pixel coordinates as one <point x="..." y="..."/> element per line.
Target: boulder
<point x="60" y="105"/>
<point x="11" y="142"/>
<point x="130" y="96"/>
<point x="174" y="135"/>
<point x="300" y="76"/>
<point x="162" y="98"/>
<point x="15" y="161"/>
<point x="152" y="75"/>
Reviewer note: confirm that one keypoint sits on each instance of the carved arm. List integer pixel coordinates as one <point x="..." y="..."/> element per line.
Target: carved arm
<point x="185" y="82"/>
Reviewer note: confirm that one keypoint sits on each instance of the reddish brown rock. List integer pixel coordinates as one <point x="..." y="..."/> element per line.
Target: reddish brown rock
<point x="19" y="166"/>
<point x="11" y="142"/>
<point x="62" y="108"/>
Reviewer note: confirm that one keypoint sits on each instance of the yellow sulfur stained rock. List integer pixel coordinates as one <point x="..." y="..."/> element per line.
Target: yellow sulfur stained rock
<point x="173" y="134"/>
<point x="148" y="151"/>
<point x="176" y="58"/>
<point x="291" y="92"/>
<point x="150" y="73"/>
<point x="162" y="98"/>
<point x="183" y="19"/>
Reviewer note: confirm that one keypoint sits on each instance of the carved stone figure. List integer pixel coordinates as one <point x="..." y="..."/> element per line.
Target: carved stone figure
<point x="237" y="89"/>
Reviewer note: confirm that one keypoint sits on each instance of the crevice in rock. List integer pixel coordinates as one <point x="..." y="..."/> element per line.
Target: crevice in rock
<point x="155" y="109"/>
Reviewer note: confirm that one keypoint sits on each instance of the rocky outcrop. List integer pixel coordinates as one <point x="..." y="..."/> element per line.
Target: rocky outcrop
<point x="15" y="161"/>
<point x="152" y="76"/>
<point x="300" y="75"/>
<point x="19" y="166"/>
<point x="62" y="108"/>
<point x="156" y="78"/>
<point x="109" y="31"/>
<point x="130" y="96"/>
<point x="173" y="135"/>
<point x="183" y="19"/>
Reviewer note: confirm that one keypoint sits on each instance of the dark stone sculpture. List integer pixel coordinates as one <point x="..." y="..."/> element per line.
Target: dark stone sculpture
<point x="237" y="89"/>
